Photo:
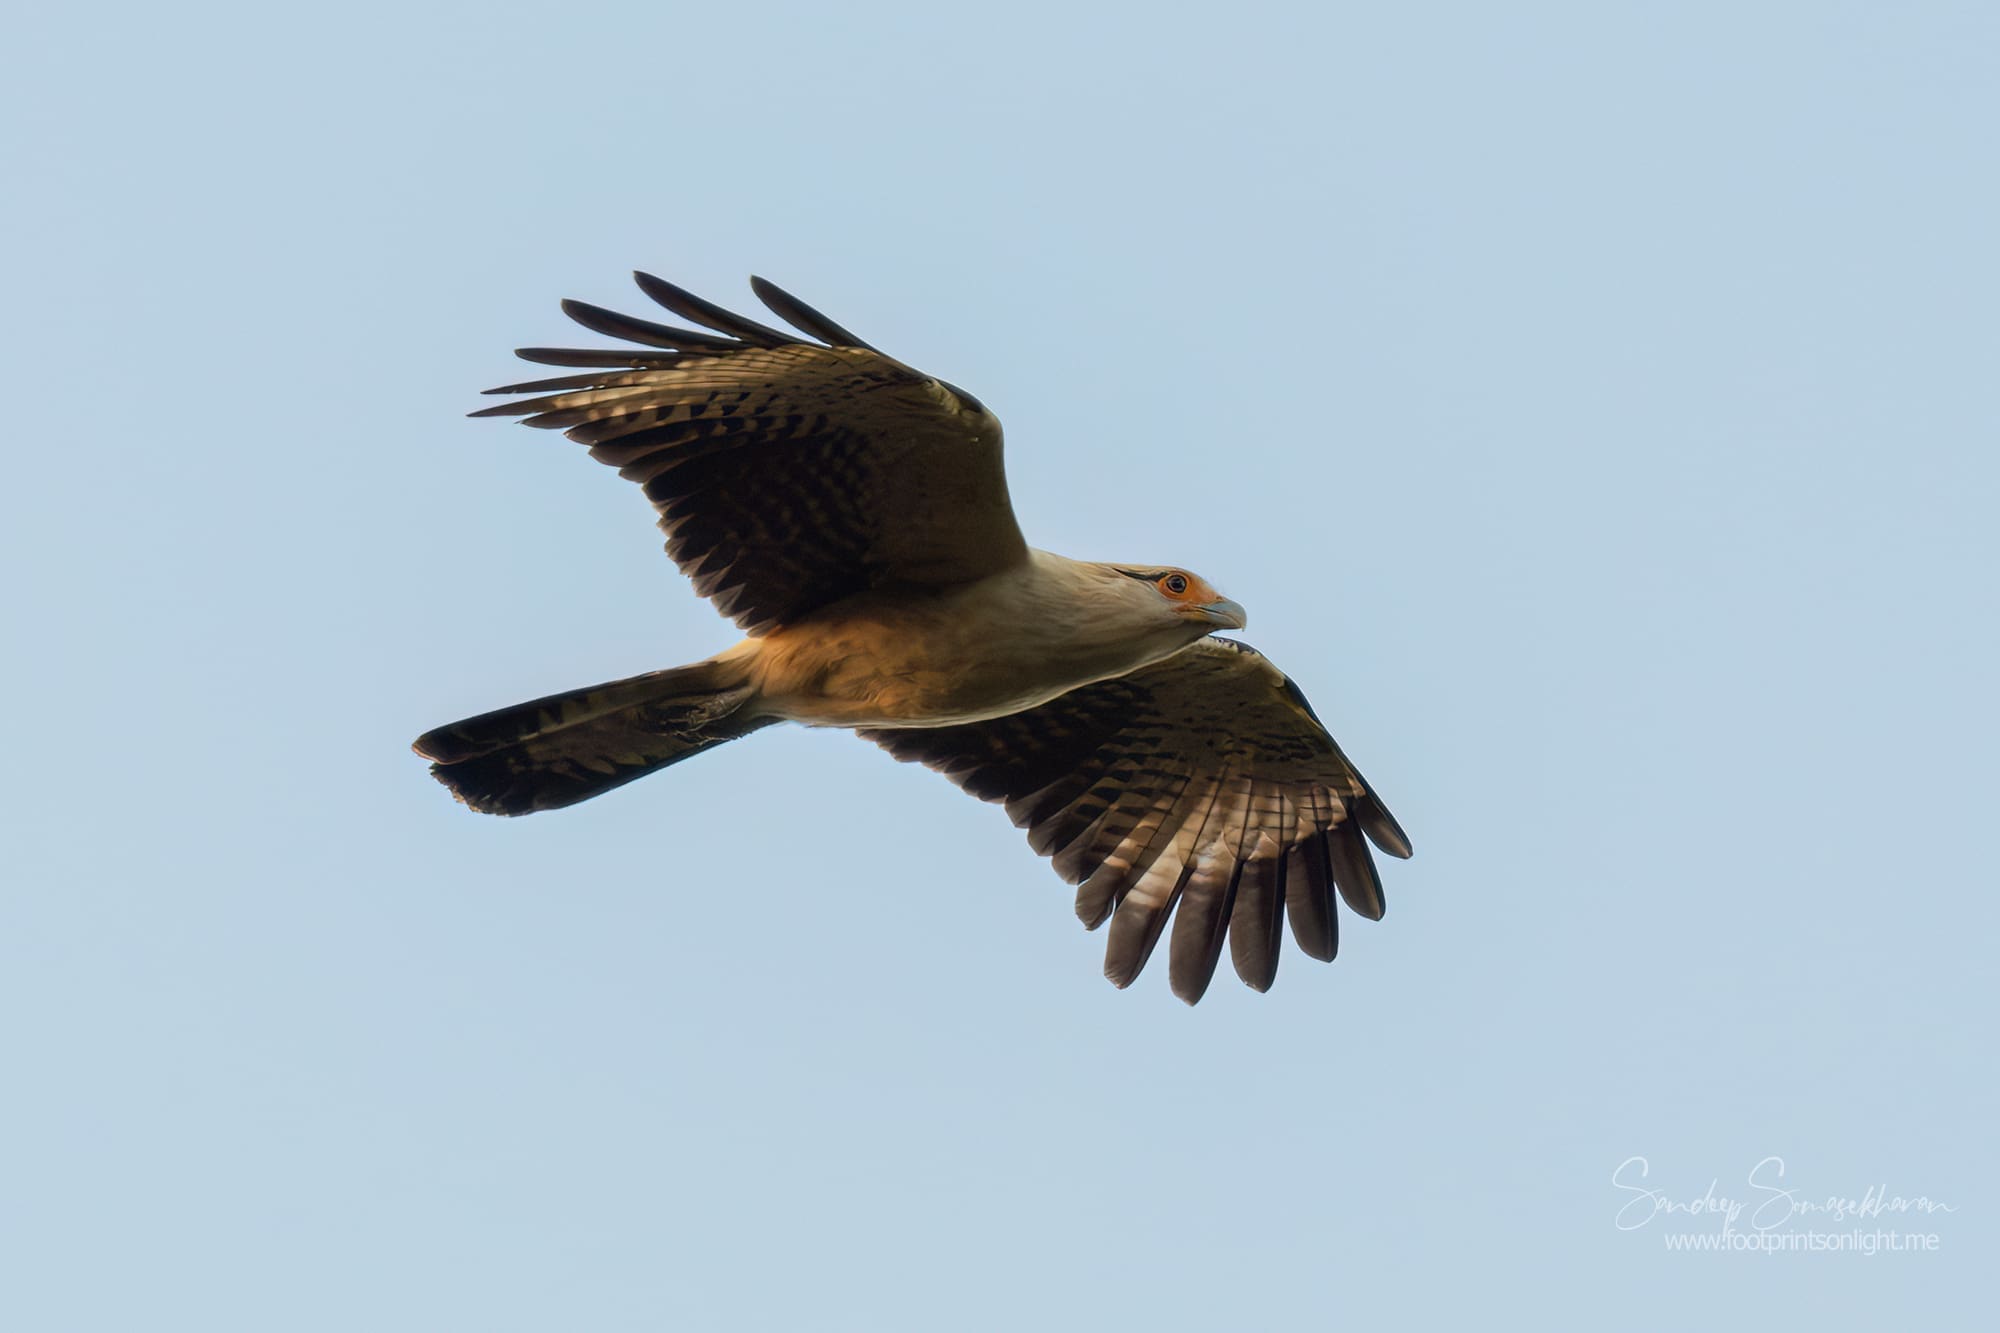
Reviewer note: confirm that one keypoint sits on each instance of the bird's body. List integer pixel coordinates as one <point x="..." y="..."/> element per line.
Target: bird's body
<point x="851" y="515"/>
<point x="1008" y="642"/>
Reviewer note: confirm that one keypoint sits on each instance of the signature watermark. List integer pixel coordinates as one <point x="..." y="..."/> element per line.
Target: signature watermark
<point x="1773" y="1216"/>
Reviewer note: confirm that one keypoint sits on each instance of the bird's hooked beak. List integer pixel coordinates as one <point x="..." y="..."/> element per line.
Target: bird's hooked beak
<point x="1221" y="613"/>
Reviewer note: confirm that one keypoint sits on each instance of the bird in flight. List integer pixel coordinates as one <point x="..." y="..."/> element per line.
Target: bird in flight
<point x="851" y="515"/>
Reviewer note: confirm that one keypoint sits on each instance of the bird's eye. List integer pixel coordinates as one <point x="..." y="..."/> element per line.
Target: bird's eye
<point x="1174" y="584"/>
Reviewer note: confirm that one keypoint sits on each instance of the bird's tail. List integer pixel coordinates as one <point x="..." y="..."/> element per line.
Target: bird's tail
<point x="553" y="752"/>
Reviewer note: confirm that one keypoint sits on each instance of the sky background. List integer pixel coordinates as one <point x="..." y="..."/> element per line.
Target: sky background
<point x="1593" y="404"/>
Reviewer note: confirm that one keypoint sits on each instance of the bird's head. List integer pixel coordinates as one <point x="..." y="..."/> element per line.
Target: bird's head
<point x="1125" y="616"/>
<point x="1178" y="601"/>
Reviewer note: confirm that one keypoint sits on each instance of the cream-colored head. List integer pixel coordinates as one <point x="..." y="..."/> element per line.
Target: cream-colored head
<point x="1156" y="608"/>
<point x="1184" y="597"/>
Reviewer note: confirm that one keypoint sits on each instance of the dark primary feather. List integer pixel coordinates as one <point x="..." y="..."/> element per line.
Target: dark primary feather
<point x="802" y="316"/>
<point x="632" y="329"/>
<point x="709" y="315"/>
<point x="1257" y="922"/>
<point x="1309" y="900"/>
<point x="588" y="356"/>
<point x="787" y="473"/>
<point x="1201" y="787"/>
<point x="594" y="380"/>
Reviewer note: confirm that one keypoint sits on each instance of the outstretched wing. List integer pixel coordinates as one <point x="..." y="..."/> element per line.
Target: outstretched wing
<point x="1203" y="780"/>
<point x="788" y="474"/>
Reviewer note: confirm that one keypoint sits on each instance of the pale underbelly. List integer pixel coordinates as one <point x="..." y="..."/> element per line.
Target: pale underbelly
<point x="856" y="680"/>
<point x="875" y="697"/>
<point x="987" y="652"/>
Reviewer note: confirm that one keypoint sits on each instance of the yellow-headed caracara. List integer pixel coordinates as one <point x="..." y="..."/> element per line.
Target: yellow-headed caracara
<point x="850" y="514"/>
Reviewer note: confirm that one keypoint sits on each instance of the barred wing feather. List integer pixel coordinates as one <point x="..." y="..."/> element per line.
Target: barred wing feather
<point x="787" y="473"/>
<point x="1202" y="789"/>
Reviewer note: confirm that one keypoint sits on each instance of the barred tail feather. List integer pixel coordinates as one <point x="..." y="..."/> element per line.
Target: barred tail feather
<point x="553" y="752"/>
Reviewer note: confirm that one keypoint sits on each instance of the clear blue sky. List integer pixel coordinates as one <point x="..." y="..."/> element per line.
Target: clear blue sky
<point x="1593" y="405"/>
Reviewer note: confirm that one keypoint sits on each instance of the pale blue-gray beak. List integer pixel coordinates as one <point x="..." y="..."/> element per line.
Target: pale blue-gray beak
<point x="1222" y="613"/>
